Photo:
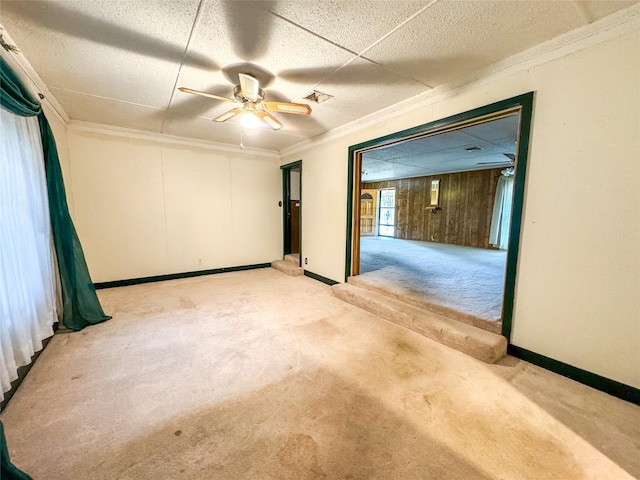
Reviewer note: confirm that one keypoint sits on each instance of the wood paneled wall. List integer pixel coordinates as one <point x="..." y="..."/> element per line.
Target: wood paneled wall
<point x="466" y="206"/>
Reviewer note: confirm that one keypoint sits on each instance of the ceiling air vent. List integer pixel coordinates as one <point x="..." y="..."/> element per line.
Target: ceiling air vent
<point x="318" y="97"/>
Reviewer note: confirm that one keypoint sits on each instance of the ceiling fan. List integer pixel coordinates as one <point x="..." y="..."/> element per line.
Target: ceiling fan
<point x="254" y="110"/>
<point x="510" y="156"/>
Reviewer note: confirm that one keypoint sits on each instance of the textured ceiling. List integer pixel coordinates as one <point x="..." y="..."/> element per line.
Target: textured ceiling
<point x="119" y="62"/>
<point x="477" y="147"/>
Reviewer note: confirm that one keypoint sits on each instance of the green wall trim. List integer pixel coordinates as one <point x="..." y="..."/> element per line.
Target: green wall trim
<point x="174" y="276"/>
<point x="297" y="163"/>
<point x="526" y="115"/>
<point x="513" y="102"/>
<point x="320" y="278"/>
<point x="612" y="387"/>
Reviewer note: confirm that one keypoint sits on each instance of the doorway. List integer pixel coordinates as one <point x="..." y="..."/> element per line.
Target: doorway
<point x="291" y="211"/>
<point x="436" y="216"/>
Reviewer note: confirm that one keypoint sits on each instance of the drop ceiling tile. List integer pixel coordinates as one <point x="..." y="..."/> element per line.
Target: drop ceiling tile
<point x="445" y="152"/>
<point x="353" y="24"/>
<point x="109" y="112"/>
<point x="495" y="129"/>
<point x="369" y="163"/>
<point x="508" y="144"/>
<point x="242" y="37"/>
<point x="105" y="48"/>
<point x="359" y="89"/>
<point x="393" y="171"/>
<point x="452" y="39"/>
<point x="420" y="146"/>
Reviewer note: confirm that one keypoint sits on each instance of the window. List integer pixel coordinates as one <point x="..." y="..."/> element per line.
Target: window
<point x="27" y="276"/>
<point x="387" y="220"/>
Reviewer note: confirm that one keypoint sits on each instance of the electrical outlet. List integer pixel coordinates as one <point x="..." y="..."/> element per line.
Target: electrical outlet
<point x="306" y="260"/>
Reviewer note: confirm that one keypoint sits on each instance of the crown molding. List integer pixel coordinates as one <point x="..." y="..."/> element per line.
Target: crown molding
<point x="608" y="28"/>
<point x="31" y="79"/>
<point x="81" y="126"/>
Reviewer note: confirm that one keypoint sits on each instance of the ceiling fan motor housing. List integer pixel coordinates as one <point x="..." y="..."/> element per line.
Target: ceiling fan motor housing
<point x="237" y="93"/>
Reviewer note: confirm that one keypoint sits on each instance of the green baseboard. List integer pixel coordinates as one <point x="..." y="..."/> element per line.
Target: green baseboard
<point x="320" y="278"/>
<point x="612" y="387"/>
<point x="174" y="276"/>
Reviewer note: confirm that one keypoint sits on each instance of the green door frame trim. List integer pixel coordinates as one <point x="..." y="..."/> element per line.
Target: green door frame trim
<point x="286" y="207"/>
<point x="521" y="103"/>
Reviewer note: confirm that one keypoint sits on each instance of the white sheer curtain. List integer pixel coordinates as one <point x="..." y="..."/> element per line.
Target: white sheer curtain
<point x="27" y="274"/>
<point x="501" y="219"/>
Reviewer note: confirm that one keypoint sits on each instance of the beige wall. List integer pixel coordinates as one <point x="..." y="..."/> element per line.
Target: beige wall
<point x="145" y="208"/>
<point x="578" y="285"/>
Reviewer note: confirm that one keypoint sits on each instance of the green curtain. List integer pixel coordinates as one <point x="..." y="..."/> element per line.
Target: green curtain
<point x="81" y="306"/>
<point x="8" y="471"/>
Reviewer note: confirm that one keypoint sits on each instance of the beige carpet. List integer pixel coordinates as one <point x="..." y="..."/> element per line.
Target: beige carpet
<point x="465" y="280"/>
<point x="260" y="375"/>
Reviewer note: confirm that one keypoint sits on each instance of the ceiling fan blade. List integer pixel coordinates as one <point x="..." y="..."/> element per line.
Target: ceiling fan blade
<point x="284" y="107"/>
<point x="249" y="86"/>
<point x="205" y="94"/>
<point x="269" y="119"/>
<point x="227" y="115"/>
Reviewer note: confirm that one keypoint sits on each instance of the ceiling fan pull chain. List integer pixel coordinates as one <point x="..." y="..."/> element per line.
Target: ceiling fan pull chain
<point x="241" y="133"/>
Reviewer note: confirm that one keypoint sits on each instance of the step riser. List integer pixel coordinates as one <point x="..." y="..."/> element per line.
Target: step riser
<point x="495" y="327"/>
<point x="486" y="346"/>
<point x="293" y="259"/>
<point x="287" y="268"/>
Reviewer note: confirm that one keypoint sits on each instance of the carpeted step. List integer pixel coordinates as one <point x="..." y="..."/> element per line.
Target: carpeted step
<point x="486" y="346"/>
<point x="287" y="267"/>
<point x="401" y="294"/>
<point x="293" y="258"/>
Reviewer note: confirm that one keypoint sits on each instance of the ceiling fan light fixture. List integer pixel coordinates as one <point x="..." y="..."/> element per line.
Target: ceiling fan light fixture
<point x="254" y="110"/>
<point x="250" y="120"/>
